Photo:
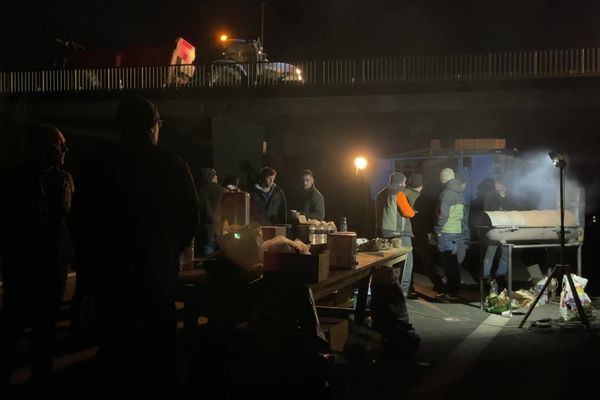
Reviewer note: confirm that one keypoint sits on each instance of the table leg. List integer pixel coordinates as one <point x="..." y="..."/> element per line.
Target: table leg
<point x="509" y="283"/>
<point x="360" y="312"/>
<point x="481" y="288"/>
<point x="579" y="260"/>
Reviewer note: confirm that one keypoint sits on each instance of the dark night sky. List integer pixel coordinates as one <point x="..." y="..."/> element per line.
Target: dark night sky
<point x="299" y="29"/>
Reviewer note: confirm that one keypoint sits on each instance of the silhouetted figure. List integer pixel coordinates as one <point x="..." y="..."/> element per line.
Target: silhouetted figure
<point x="464" y="243"/>
<point x="141" y="210"/>
<point x="422" y="225"/>
<point x="497" y="200"/>
<point x="414" y="186"/>
<point x="476" y="217"/>
<point x="209" y="198"/>
<point x="36" y="249"/>
<point x="231" y="183"/>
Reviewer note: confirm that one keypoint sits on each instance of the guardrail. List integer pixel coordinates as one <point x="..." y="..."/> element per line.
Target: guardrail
<point x="535" y="64"/>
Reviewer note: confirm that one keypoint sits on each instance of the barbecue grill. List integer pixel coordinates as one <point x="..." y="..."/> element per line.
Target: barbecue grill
<point x="528" y="229"/>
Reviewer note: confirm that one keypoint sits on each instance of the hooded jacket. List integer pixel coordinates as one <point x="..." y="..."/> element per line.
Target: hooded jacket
<point x="452" y="215"/>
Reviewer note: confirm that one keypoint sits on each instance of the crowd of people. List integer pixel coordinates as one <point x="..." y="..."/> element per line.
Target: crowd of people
<point x="122" y="227"/>
<point x="134" y="208"/>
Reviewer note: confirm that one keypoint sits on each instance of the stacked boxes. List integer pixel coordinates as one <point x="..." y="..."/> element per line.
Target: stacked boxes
<point x="342" y="250"/>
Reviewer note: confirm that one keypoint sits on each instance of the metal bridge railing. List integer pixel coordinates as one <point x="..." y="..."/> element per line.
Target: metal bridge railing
<point x="535" y="64"/>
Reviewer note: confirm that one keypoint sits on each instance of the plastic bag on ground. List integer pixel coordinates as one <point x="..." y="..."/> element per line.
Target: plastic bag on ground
<point x="568" y="308"/>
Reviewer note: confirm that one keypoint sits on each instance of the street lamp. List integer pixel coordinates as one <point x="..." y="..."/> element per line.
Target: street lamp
<point x="223" y="38"/>
<point x="360" y="163"/>
<point x="262" y="22"/>
<point x="559" y="269"/>
<point x="559" y="161"/>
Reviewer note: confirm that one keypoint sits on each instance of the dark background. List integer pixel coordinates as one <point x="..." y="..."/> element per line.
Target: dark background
<point x="330" y="29"/>
<point x="297" y="29"/>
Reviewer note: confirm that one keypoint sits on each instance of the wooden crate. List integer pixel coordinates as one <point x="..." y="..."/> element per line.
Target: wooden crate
<point x="336" y="332"/>
<point x="269" y="232"/>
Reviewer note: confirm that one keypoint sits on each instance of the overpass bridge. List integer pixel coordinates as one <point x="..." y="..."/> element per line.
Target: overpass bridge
<point x="518" y="65"/>
<point x="388" y="104"/>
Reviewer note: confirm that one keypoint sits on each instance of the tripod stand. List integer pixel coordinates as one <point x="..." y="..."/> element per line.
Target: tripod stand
<point x="557" y="272"/>
<point x="562" y="268"/>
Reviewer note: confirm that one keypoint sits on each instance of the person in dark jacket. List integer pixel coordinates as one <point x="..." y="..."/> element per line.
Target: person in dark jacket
<point x="496" y="200"/>
<point x="141" y="211"/>
<point x="421" y="247"/>
<point x="309" y="201"/>
<point x="35" y="251"/>
<point x="267" y="200"/>
<point x="451" y="223"/>
<point x="414" y="187"/>
<point x="209" y="198"/>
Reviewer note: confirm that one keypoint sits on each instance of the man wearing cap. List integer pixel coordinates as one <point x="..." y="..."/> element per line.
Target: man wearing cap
<point x="449" y="227"/>
<point x="140" y="208"/>
<point x="390" y="286"/>
<point x="414" y="187"/>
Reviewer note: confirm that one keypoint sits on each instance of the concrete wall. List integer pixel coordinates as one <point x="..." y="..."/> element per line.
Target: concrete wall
<point x="325" y="131"/>
<point x="237" y="148"/>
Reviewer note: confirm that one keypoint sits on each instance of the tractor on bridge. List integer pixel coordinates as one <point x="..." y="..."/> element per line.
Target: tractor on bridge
<point x="244" y="63"/>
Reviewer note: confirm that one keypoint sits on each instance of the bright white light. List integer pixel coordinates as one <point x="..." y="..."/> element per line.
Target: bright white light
<point x="360" y="162"/>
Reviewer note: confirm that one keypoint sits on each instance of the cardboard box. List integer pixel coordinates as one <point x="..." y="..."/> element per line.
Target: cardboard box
<point x="302" y="232"/>
<point x="342" y="250"/>
<point x="336" y="332"/>
<point x="302" y="268"/>
<point x="479" y="144"/>
<point x="269" y="232"/>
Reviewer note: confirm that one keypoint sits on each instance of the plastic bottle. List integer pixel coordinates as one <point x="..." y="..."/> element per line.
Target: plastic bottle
<point x="322" y="232"/>
<point x="493" y="288"/>
<point x="312" y="234"/>
<point x="538" y="288"/>
<point x="344" y="225"/>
